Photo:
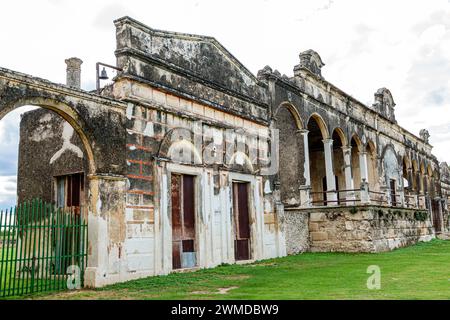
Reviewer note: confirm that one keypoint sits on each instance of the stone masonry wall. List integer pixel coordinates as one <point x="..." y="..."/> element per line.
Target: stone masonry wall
<point x="48" y="147"/>
<point x="296" y="231"/>
<point x="367" y="229"/>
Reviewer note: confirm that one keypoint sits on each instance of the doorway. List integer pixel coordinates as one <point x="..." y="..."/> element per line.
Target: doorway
<point x="70" y="192"/>
<point x="242" y="242"/>
<point x="392" y="186"/>
<point x="436" y="214"/>
<point x="183" y="221"/>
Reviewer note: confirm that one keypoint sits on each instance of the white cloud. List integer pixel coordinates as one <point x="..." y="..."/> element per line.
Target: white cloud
<point x="8" y="186"/>
<point x="9" y="142"/>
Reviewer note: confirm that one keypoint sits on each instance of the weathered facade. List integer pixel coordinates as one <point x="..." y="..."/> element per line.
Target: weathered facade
<point x="188" y="160"/>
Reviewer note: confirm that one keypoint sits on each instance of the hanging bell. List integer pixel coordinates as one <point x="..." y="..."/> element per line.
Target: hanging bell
<point x="103" y="75"/>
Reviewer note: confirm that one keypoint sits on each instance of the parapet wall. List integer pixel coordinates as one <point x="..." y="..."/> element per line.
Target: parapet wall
<point x="296" y="231"/>
<point x="356" y="229"/>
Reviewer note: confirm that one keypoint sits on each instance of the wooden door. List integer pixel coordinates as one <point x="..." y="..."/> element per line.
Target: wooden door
<point x="393" y="193"/>
<point x="242" y="243"/>
<point x="183" y="221"/>
<point x="437" y="222"/>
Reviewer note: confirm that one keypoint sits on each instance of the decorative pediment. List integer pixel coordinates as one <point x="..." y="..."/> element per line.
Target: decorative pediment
<point x="384" y="103"/>
<point x="424" y="135"/>
<point x="197" y="56"/>
<point x="311" y="60"/>
<point x="384" y="96"/>
<point x="445" y="171"/>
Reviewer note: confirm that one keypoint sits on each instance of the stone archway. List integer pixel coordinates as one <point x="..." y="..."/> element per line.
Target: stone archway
<point x="291" y="174"/>
<point x="320" y="161"/>
<point x="65" y="112"/>
<point x="101" y="125"/>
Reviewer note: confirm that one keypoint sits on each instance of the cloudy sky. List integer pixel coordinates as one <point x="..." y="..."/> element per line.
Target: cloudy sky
<point x="402" y="45"/>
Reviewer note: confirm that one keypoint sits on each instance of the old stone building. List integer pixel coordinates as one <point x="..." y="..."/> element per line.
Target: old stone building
<point x="188" y="160"/>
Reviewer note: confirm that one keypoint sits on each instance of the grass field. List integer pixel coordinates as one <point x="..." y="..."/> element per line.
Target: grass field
<point x="11" y="283"/>
<point x="418" y="272"/>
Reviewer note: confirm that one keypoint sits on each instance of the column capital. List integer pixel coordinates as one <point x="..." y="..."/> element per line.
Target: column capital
<point x="302" y="131"/>
<point x="327" y="141"/>
<point x="346" y="148"/>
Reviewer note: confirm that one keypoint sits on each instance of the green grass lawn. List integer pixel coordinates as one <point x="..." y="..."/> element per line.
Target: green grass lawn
<point x="11" y="284"/>
<point x="418" y="272"/>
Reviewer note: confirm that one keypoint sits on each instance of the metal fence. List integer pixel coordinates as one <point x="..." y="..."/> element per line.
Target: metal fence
<point x="42" y="248"/>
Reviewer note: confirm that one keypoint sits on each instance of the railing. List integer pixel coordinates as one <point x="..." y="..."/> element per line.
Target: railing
<point x="396" y="200"/>
<point x="411" y="201"/>
<point x="378" y="197"/>
<point x="355" y="196"/>
<point x="41" y="247"/>
<point x="342" y="197"/>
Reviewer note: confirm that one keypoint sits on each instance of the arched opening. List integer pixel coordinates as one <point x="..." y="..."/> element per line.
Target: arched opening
<point x="339" y="142"/>
<point x="415" y="177"/>
<point x="291" y="162"/>
<point x="429" y="179"/>
<point x="356" y="145"/>
<point x="317" y="133"/>
<point x="431" y="182"/>
<point x="372" y="172"/>
<point x="46" y="158"/>
<point x="436" y="182"/>
<point x="66" y="113"/>
<point x="405" y="168"/>
<point x="423" y="183"/>
<point x="178" y="145"/>
<point x="410" y="199"/>
<point x="241" y="159"/>
<point x="52" y="157"/>
<point x="392" y="180"/>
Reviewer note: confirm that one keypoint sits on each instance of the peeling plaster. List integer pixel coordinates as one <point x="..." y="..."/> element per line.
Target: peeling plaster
<point x="67" y="134"/>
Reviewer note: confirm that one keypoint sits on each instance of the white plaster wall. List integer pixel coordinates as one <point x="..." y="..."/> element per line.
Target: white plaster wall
<point x="214" y="220"/>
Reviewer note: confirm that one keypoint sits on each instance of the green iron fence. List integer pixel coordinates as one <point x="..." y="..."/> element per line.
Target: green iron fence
<point x="42" y="248"/>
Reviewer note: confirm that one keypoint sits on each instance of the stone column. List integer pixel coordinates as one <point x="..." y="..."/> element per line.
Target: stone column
<point x="73" y="72"/>
<point x="421" y="189"/>
<point x="399" y="190"/>
<point x="365" y="198"/>
<point x="417" y="178"/>
<point x="408" y="191"/>
<point x="106" y="230"/>
<point x="349" y="195"/>
<point x="306" y="172"/>
<point x="305" y="190"/>
<point x="410" y="178"/>
<point x="363" y="166"/>
<point x="331" y="182"/>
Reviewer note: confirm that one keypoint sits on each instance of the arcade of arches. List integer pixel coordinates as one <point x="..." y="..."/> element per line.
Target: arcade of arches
<point x="332" y="170"/>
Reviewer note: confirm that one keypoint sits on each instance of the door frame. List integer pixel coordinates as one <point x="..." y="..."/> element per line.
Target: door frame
<point x="197" y="173"/>
<point x="236" y="224"/>
<point x="256" y="215"/>
<point x="83" y="190"/>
